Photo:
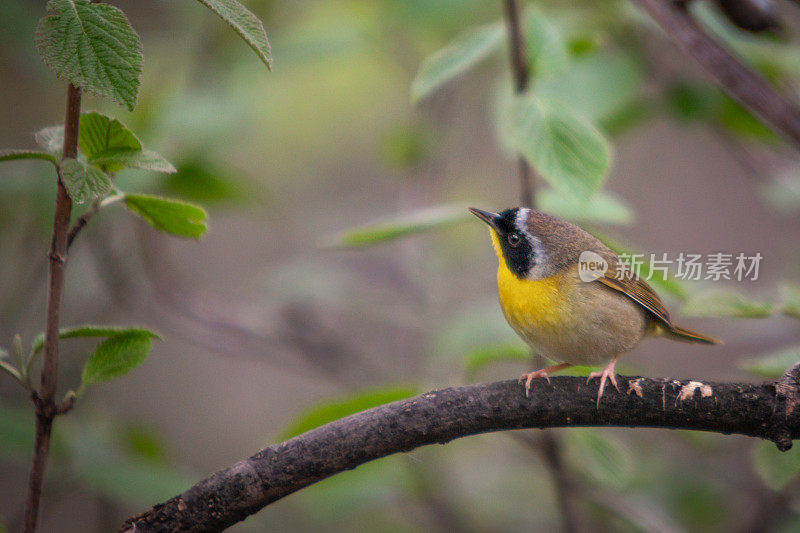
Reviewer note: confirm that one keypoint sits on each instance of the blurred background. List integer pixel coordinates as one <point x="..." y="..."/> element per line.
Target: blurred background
<point x="282" y="317"/>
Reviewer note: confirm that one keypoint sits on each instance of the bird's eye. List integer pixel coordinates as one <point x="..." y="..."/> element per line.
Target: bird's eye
<point x="513" y="239"/>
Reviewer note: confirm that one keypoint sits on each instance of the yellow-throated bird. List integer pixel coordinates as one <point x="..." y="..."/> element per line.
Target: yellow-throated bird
<point x="570" y="297"/>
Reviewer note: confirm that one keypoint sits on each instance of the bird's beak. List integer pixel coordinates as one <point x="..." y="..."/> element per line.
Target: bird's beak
<point x="490" y="218"/>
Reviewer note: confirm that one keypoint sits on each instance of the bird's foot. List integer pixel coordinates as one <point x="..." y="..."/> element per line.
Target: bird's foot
<point x="605" y="375"/>
<point x="543" y="373"/>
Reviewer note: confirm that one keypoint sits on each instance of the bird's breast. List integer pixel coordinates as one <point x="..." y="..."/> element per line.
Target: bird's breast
<point x="532" y="306"/>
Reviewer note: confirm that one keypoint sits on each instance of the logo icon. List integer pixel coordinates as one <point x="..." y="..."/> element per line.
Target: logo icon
<point x="591" y="266"/>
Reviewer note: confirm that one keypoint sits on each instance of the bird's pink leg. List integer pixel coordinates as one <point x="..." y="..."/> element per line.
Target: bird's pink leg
<point x="543" y="373"/>
<point x="605" y="375"/>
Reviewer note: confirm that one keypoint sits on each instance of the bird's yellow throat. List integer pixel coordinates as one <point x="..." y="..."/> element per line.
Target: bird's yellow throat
<point x="529" y="304"/>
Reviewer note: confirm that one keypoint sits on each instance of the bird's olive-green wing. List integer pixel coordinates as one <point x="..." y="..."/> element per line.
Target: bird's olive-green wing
<point x="640" y="292"/>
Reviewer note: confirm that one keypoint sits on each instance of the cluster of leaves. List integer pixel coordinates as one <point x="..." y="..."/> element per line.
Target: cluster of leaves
<point x="123" y="349"/>
<point x="93" y="46"/>
<point x="578" y="95"/>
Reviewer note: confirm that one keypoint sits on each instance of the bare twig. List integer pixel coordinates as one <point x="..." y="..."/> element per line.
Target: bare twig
<point x="44" y="400"/>
<point x="735" y="78"/>
<point x="79" y="224"/>
<point x="440" y="416"/>
<point x="519" y="68"/>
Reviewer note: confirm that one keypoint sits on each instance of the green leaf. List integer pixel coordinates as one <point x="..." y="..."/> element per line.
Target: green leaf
<point x="463" y="53"/>
<point x="51" y="139"/>
<point x="336" y="409"/>
<point x="547" y="49"/>
<point x="597" y="87"/>
<point x="93" y="46"/>
<point x="89" y="330"/>
<point x="603" y="458"/>
<point x="773" y="364"/>
<point x="111" y="146"/>
<point x="738" y="119"/>
<point x="11" y="155"/>
<point x="401" y="226"/>
<point x="99" y="134"/>
<point x="198" y="181"/>
<point x="246" y="24"/>
<point x="567" y="150"/>
<point x="790" y="300"/>
<point x="724" y="302"/>
<point x="84" y="181"/>
<point x="144" y="159"/>
<point x="9" y="369"/>
<point x="482" y="357"/>
<point x="690" y="102"/>
<point x="776" y="468"/>
<point x="172" y="216"/>
<point x="117" y="355"/>
<point x="600" y="207"/>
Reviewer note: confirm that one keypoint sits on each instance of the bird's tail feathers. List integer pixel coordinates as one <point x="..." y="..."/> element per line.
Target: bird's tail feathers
<point x="682" y="334"/>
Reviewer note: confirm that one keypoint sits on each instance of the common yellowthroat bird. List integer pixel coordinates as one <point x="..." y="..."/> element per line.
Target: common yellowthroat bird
<point x="570" y="297"/>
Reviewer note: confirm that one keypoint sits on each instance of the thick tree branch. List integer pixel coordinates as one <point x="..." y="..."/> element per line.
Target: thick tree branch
<point x="44" y="400"/>
<point x="769" y="411"/>
<point x="735" y="78"/>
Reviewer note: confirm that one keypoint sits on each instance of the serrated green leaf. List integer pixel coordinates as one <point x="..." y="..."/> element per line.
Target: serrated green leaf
<point x="401" y="226"/>
<point x="111" y="146"/>
<point x="603" y="458"/>
<point x="93" y="46"/>
<point x="103" y="137"/>
<point x="89" y="330"/>
<point x="724" y="302"/>
<point x="51" y="139"/>
<point x="99" y="134"/>
<point x="116" y="356"/>
<point x="480" y="358"/>
<point x="567" y="150"/>
<point x="596" y="87"/>
<point x="790" y="300"/>
<point x="463" y="53"/>
<point x="335" y="409"/>
<point x="84" y="181"/>
<point x="246" y="24"/>
<point x="600" y="207"/>
<point x="547" y="49"/>
<point x="11" y="155"/>
<point x="172" y="216"/>
<point x="774" y="467"/>
<point x="773" y="364"/>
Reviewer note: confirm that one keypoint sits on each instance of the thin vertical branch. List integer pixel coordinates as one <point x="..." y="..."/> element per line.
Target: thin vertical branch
<point x="44" y="400"/>
<point x="520" y="71"/>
